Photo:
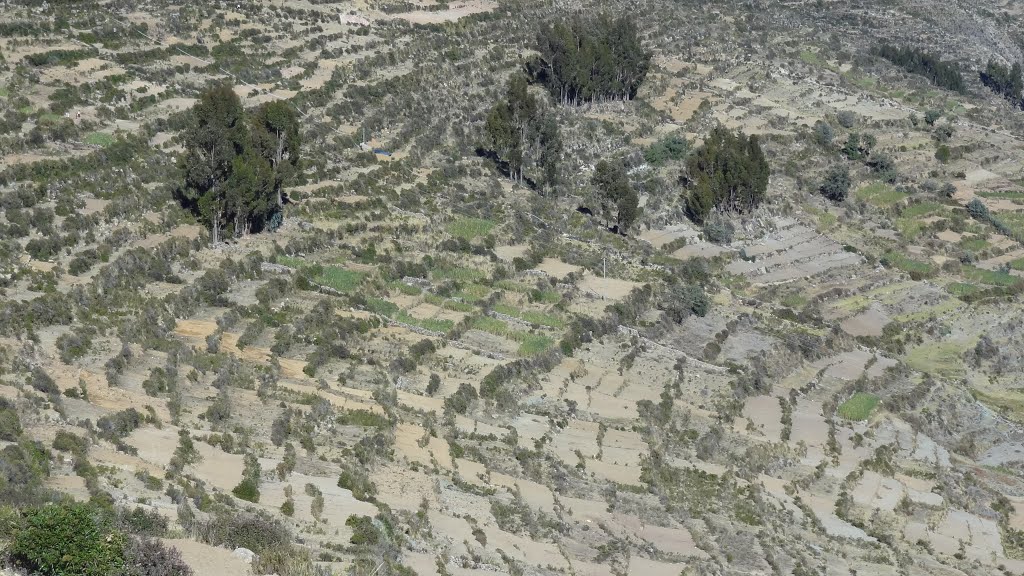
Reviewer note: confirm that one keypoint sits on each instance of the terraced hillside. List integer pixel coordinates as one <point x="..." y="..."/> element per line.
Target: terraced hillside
<point x="433" y="368"/>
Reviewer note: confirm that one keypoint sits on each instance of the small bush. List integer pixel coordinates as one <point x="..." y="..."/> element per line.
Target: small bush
<point x="836" y="185"/>
<point x="363" y="530"/>
<point x="247" y="490"/>
<point x="10" y="424"/>
<point x="68" y="442"/>
<point x="42" y="382"/>
<point x="149" y="557"/>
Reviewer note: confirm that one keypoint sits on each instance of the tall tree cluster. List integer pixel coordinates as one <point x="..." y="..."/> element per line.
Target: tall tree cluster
<point x="236" y="163"/>
<point x="590" y="59"/>
<point x="1004" y="80"/>
<point x="943" y="74"/>
<point x="522" y="132"/>
<point x="728" y="173"/>
<point x="619" y="202"/>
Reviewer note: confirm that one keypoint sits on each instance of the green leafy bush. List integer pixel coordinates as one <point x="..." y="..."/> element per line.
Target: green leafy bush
<point x="69" y="539"/>
<point x="66" y="441"/>
<point x="247" y="490"/>
<point x="10" y="424"/>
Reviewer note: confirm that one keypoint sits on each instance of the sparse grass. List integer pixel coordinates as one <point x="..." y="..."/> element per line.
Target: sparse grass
<point x="959" y="289"/>
<point x="458" y="273"/>
<point x="290" y="261"/>
<point x="795" y="300"/>
<point x="1017" y="264"/>
<point x="491" y="325"/>
<point x="909" y="265"/>
<point x="531" y="316"/>
<point x="942" y="359"/>
<point x="853" y="304"/>
<point x="974" y="243"/>
<point x="474" y="292"/>
<point x="449" y="304"/>
<point x="811" y="58"/>
<point x="1015" y="196"/>
<point x="990" y="277"/>
<point x="340" y="279"/>
<point x="382" y="307"/>
<point x="909" y="228"/>
<point x="944" y="307"/>
<point x="920" y="209"/>
<point x="405" y="288"/>
<point x="1009" y="403"/>
<point x="532" y="344"/>
<point x="859" y="406"/>
<point x="99" y="139"/>
<point x="470" y="228"/>
<point x="880" y="194"/>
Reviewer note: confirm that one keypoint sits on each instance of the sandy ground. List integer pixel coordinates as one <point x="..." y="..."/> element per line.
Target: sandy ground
<point x="206" y="560"/>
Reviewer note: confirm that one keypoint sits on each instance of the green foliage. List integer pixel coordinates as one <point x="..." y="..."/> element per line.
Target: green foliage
<point x="673" y="147"/>
<point x="99" y="139"/>
<point x="880" y="194"/>
<point x="66" y="441"/>
<point x="617" y="198"/>
<point x="340" y="279"/>
<point x="358" y="482"/>
<point x="460" y="401"/>
<point x="728" y="172"/>
<point x="941" y="73"/>
<point x="69" y="539"/>
<point x="247" y="490"/>
<point x="682" y="300"/>
<point x="10" y="424"/>
<point x="836" y="185"/>
<point x="433" y="385"/>
<point x="1003" y="80"/>
<point x="42" y="382"/>
<point x="235" y="165"/>
<point x="858" y="407"/>
<point x="119" y="424"/>
<point x="522" y="134"/>
<point x="916" y="268"/>
<point x="364" y="532"/>
<point x="588" y="59"/>
<point x="470" y="228"/>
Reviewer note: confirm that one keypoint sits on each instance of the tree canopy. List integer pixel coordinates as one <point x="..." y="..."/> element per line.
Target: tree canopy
<point x="588" y="59"/>
<point x="1004" y="80"/>
<point x="728" y="173"/>
<point x="236" y="163"/>
<point x="619" y="202"/>
<point x="523" y="134"/>
<point x="943" y="74"/>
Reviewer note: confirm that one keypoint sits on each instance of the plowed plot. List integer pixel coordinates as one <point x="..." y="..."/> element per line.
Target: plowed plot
<point x="793" y="252"/>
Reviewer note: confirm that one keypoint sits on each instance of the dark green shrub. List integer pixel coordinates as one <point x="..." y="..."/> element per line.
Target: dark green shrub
<point x="66" y="441"/>
<point x="356" y="481"/>
<point x="433" y="385"/>
<point x="363" y="530"/>
<point x="115" y="426"/>
<point x="42" y="382"/>
<point x="836" y="185"/>
<point x="142" y="522"/>
<point x="247" y="490"/>
<point x="10" y="424"/>
<point x="69" y="539"/>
